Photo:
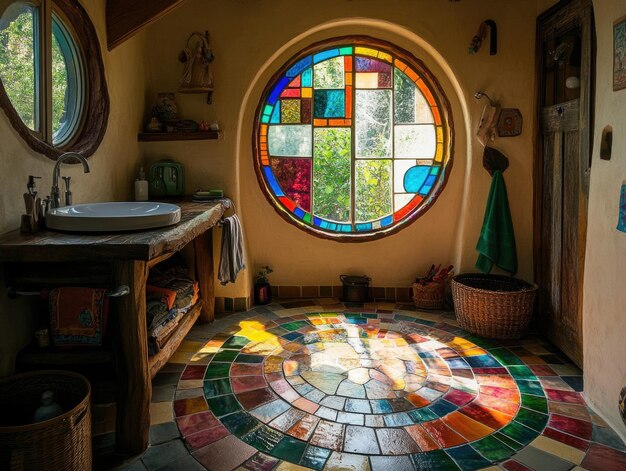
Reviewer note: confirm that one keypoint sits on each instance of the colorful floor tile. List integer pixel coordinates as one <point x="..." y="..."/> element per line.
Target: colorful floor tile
<point x="318" y="385"/>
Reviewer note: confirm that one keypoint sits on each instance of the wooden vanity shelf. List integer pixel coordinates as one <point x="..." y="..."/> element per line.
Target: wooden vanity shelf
<point x="127" y="259"/>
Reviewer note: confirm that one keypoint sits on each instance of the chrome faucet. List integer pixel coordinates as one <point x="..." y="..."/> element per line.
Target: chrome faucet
<point x="55" y="195"/>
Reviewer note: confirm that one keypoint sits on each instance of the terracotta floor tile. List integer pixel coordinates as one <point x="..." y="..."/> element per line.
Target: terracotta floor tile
<point x="443" y="434"/>
<point x="246" y="369"/>
<point x="565" y="396"/>
<point x="423" y="439"/>
<point x="218" y="456"/>
<point x="286" y="420"/>
<point x="568" y="453"/>
<point x="193" y="372"/>
<point x="458" y="397"/>
<point x="466" y="427"/>
<point x="304" y="428"/>
<point x="247" y="383"/>
<point x="306" y="405"/>
<point x="542" y="370"/>
<point x="566" y="438"/>
<point x="345" y="462"/>
<point x="576" y="427"/>
<point x="328" y="435"/>
<point x="194" y="423"/>
<point x="396" y="441"/>
<point x="205" y="437"/>
<point x="496" y="380"/>
<point x="361" y="440"/>
<point x="511" y="395"/>
<point x="602" y="458"/>
<point x="190" y="406"/>
<point x="497" y="404"/>
<point x="488" y="417"/>
<point x="576" y="411"/>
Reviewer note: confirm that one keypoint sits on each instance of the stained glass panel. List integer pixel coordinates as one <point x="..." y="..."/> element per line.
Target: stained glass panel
<point x="400" y="167"/>
<point x="329" y="103"/>
<point x="416" y="141"/>
<point x="290" y="140"/>
<point x="328" y="74"/>
<point x="310" y="115"/>
<point x="294" y="178"/>
<point x="331" y="173"/>
<point x="373" y="123"/>
<point x="290" y="111"/>
<point x="373" y="189"/>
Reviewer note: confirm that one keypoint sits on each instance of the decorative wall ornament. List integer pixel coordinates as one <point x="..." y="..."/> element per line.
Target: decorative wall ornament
<point x="197" y="57"/>
<point x="619" y="54"/>
<point x="510" y="122"/>
<point x="481" y="34"/>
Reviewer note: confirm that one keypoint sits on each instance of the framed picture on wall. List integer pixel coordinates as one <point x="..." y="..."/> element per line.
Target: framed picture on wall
<point x="619" y="54"/>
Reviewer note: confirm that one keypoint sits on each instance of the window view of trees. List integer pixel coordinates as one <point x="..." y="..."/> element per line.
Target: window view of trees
<point x="19" y="57"/>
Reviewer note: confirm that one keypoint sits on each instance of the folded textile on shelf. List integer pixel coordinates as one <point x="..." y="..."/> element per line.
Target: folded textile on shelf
<point x="78" y="316"/>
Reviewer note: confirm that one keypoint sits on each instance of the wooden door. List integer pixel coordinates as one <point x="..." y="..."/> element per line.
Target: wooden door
<point x="565" y="45"/>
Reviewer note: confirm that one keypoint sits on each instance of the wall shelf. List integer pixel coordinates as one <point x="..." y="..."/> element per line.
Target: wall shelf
<point x="177" y="136"/>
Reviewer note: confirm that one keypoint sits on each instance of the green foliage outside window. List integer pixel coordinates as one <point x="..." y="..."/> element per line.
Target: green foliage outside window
<point x="18" y="70"/>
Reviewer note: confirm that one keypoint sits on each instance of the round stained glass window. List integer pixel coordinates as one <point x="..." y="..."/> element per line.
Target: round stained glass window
<point x="352" y="139"/>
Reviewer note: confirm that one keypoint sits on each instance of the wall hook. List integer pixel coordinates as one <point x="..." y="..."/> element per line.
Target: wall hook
<point x="481" y="34"/>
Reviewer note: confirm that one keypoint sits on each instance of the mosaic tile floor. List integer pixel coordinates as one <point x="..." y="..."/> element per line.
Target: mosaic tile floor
<point x="315" y="384"/>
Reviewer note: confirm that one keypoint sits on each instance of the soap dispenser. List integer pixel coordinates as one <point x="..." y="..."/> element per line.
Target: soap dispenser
<point x="141" y="186"/>
<point x="29" y="221"/>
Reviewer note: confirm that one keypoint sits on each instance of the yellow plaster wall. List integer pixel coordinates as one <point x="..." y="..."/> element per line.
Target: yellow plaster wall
<point x="604" y="297"/>
<point x="112" y="166"/>
<point x="252" y="38"/>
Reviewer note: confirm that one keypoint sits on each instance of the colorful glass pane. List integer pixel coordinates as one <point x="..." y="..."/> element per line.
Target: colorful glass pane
<point x="373" y="123"/>
<point x="352" y="140"/>
<point x="290" y="111"/>
<point x="415" y="141"/>
<point x="290" y="141"/>
<point x="373" y="195"/>
<point x="329" y="103"/>
<point x="328" y="74"/>
<point x="331" y="173"/>
<point x="294" y="178"/>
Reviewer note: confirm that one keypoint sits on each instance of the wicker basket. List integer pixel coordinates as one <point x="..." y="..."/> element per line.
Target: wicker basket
<point x="493" y="306"/>
<point x="61" y="443"/>
<point x="429" y="296"/>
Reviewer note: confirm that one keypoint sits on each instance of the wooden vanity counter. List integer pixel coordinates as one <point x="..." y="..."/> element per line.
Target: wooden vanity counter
<point x="130" y="256"/>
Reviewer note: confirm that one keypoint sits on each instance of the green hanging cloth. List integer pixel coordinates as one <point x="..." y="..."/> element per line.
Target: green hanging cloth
<point x="496" y="243"/>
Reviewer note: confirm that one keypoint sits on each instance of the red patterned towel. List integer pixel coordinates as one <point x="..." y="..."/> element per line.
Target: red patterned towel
<point x="78" y="316"/>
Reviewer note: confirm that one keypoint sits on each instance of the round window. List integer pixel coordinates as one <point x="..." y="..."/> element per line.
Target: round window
<point x="53" y="93"/>
<point x="352" y="139"/>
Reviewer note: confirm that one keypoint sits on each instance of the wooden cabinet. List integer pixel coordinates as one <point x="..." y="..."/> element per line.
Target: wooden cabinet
<point x="127" y="258"/>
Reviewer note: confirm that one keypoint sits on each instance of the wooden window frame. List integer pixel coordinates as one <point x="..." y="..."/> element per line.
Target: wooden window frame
<point x="94" y="112"/>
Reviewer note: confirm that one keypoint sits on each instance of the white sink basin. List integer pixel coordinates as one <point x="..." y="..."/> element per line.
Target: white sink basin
<point x="113" y="217"/>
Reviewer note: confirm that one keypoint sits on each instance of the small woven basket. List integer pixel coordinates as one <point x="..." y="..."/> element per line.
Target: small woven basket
<point x="493" y="306"/>
<point x="429" y="296"/>
<point x="60" y="443"/>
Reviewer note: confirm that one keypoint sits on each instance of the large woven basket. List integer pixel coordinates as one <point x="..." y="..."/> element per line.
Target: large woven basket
<point x="493" y="306"/>
<point x="61" y="443"/>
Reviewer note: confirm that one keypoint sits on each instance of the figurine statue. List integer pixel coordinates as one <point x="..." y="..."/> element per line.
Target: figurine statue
<point x="197" y="57"/>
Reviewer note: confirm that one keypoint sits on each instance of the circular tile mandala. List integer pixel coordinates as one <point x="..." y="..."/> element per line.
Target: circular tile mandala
<point x="299" y="388"/>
